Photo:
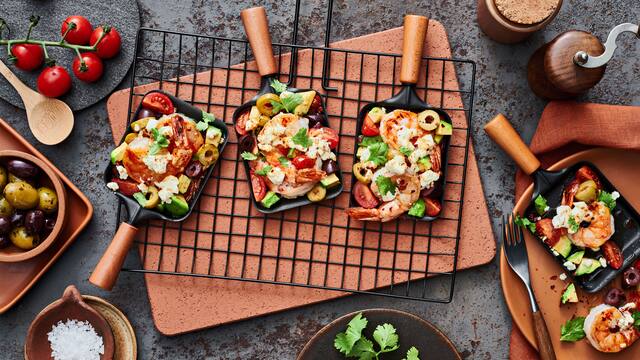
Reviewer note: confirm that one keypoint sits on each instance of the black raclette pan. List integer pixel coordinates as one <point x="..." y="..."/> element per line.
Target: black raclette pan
<point x="551" y="184"/>
<point x="257" y="29"/>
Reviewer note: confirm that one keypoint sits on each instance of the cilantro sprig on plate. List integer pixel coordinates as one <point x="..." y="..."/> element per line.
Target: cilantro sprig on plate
<point x="264" y="171"/>
<point x="525" y="223"/>
<point x="385" y="185"/>
<point x="573" y="330"/>
<point x="159" y="142"/>
<point x="301" y="138"/>
<point x="203" y="124"/>
<point x="288" y="100"/>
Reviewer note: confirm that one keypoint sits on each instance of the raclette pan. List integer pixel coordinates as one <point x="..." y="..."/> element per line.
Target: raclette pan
<point x="106" y="272"/>
<point x="414" y="36"/>
<point x="257" y="29"/>
<point x="551" y="184"/>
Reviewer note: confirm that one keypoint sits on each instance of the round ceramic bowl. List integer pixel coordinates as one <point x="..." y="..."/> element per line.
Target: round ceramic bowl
<point x="49" y="178"/>
<point x="503" y="30"/>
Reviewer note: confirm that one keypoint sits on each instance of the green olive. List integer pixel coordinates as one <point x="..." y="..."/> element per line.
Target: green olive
<point x="140" y="124"/>
<point x="152" y="197"/>
<point x="5" y="208"/>
<point x="183" y="183"/>
<point x="264" y="103"/>
<point x="21" y="195"/>
<point x="4" y="177"/>
<point x="207" y="155"/>
<point x="587" y="191"/>
<point x="21" y="238"/>
<point x="361" y="173"/>
<point x="14" y="179"/>
<point x="48" y="200"/>
<point x="130" y="137"/>
<point x="317" y="193"/>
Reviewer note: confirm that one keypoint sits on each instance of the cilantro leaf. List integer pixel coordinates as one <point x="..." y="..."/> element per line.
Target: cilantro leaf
<point x="412" y="354"/>
<point x="525" y="223"/>
<point x="345" y="341"/>
<point x="607" y="199"/>
<point x="292" y="153"/>
<point x="248" y="156"/>
<point x="291" y="101"/>
<point x="264" y="171"/>
<point x="405" y="151"/>
<point x="385" y="185"/>
<point x="573" y="330"/>
<point x="541" y="205"/>
<point x="368" y="140"/>
<point x="636" y="317"/>
<point x="363" y="350"/>
<point x="573" y="225"/>
<point x="301" y="138"/>
<point x="159" y="142"/>
<point x="283" y="160"/>
<point x="378" y="153"/>
<point x="385" y="335"/>
<point x="277" y="86"/>
<point x="206" y="119"/>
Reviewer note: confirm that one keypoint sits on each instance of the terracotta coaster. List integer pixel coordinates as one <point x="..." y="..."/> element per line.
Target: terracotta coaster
<point x="526" y="12"/>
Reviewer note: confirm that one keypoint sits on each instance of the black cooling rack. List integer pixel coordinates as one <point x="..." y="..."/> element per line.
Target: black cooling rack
<point x="316" y="246"/>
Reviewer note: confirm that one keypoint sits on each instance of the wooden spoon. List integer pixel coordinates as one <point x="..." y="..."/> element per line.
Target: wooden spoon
<point x="50" y="120"/>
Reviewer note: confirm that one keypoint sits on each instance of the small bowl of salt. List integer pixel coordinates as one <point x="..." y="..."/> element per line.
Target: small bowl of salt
<point x="69" y="329"/>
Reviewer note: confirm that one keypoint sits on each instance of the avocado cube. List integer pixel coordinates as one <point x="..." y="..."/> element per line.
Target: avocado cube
<point x="587" y="266"/>
<point x="563" y="246"/>
<point x="270" y="199"/>
<point x="569" y="295"/>
<point x="438" y="138"/>
<point x="178" y="206"/>
<point x="118" y="153"/>
<point x="444" y="128"/>
<point x="417" y="209"/>
<point x="307" y="100"/>
<point x="330" y="181"/>
<point x="576" y="257"/>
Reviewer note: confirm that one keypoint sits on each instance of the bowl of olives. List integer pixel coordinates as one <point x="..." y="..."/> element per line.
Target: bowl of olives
<point x="32" y="206"/>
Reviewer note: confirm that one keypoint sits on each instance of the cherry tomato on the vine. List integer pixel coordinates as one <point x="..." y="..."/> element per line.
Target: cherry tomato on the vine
<point x="54" y="81"/>
<point x="109" y="46"/>
<point x="91" y="70"/>
<point x="80" y="34"/>
<point x="27" y="56"/>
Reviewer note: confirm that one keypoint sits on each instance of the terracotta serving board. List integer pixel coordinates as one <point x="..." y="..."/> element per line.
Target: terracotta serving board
<point x="622" y="168"/>
<point x="18" y="278"/>
<point x="182" y="304"/>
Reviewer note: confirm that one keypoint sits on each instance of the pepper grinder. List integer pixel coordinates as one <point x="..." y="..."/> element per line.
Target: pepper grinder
<point x="572" y="63"/>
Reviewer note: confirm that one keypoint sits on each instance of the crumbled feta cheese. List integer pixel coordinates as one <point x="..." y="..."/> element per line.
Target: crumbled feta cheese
<point x="587" y="262"/>
<point x="396" y="166"/>
<point x="563" y="276"/>
<point x="555" y="253"/>
<point x="166" y="131"/>
<point x="320" y="148"/>
<point x="569" y="265"/>
<point x="580" y="212"/>
<point x="626" y="320"/>
<point x="168" y="187"/>
<point x="603" y="262"/>
<point x="157" y="163"/>
<point x="113" y="186"/>
<point x="428" y="178"/>
<point x="416" y="155"/>
<point x="152" y="123"/>
<point x="276" y="175"/>
<point x="363" y="154"/>
<point x="143" y="188"/>
<point x="388" y="196"/>
<point x="615" y="195"/>
<point x="404" y="136"/>
<point x="122" y="172"/>
<point x="426" y="142"/>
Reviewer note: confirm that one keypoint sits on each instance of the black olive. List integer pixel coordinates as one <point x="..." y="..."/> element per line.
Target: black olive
<point x="17" y="219"/>
<point x="143" y="113"/>
<point x="4" y="241"/>
<point x="614" y="297"/>
<point x="247" y="143"/>
<point x="34" y="221"/>
<point x="585" y="224"/>
<point x="314" y="119"/>
<point x="5" y="225"/>
<point x="194" y="169"/>
<point x="22" y="169"/>
<point x="317" y="125"/>
<point x="329" y="166"/>
<point x="49" y="224"/>
<point x="631" y="277"/>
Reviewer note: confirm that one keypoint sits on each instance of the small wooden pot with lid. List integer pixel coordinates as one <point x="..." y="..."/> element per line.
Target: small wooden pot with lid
<point x="511" y="21"/>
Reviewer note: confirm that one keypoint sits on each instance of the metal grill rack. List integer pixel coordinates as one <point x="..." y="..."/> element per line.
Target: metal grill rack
<point x="315" y="246"/>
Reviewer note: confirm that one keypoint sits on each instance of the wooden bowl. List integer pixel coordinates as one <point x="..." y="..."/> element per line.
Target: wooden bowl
<point x="70" y="306"/>
<point x="48" y="178"/>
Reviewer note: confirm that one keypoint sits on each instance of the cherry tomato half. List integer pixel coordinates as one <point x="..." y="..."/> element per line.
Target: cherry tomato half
<point x="637" y="264"/>
<point x="82" y="32"/>
<point x="259" y="186"/>
<point x="92" y="69"/>
<point x="330" y="135"/>
<point x="125" y="187"/>
<point x="110" y="44"/>
<point x="54" y="81"/>
<point x="158" y="102"/>
<point x="282" y="150"/>
<point x="432" y="207"/>
<point x="612" y="254"/>
<point x="241" y="123"/>
<point x="364" y="196"/>
<point x="28" y="56"/>
<point x="369" y="128"/>
<point x="303" y="162"/>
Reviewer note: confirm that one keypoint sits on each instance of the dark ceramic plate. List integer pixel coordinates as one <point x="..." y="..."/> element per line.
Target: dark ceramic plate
<point x="412" y="330"/>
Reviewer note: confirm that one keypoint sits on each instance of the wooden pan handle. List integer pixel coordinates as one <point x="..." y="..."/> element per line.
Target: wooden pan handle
<point x="256" y="26"/>
<point x="500" y="130"/>
<point x="106" y="272"/>
<point x="414" y="34"/>
<point x="545" y="347"/>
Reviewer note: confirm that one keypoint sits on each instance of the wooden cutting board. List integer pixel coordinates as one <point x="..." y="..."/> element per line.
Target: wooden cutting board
<point x="183" y="304"/>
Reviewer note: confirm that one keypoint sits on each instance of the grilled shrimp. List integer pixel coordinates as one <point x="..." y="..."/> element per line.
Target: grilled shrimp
<point x="599" y="230"/>
<point x="279" y="130"/>
<point x="392" y="209"/>
<point x="609" y="329"/>
<point x="436" y="158"/>
<point x="394" y="124"/>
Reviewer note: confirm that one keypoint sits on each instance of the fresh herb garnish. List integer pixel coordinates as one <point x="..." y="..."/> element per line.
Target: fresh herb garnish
<point x="283" y="160"/>
<point x="159" y="142"/>
<point x="525" y="223"/>
<point x="345" y="341"/>
<point x="292" y="153"/>
<point x="378" y="153"/>
<point x="412" y="354"/>
<point x="607" y="199"/>
<point x="264" y="171"/>
<point x="368" y="140"/>
<point x="277" y="86"/>
<point x="573" y="330"/>
<point x="541" y="205"/>
<point x="573" y="225"/>
<point x="287" y="103"/>
<point x="385" y="335"/>
<point x="248" y="156"/>
<point x="385" y="185"/>
<point x="636" y="318"/>
<point x="204" y="123"/>
<point x="405" y="151"/>
<point x="301" y="138"/>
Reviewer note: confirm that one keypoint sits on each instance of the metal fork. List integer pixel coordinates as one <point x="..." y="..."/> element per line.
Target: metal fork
<point x="515" y="250"/>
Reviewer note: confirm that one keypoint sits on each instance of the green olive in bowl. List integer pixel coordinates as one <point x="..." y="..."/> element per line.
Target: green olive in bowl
<point x="4" y="178"/>
<point x="21" y="238"/>
<point x="6" y="209"/>
<point x="48" y="200"/>
<point x="21" y="195"/>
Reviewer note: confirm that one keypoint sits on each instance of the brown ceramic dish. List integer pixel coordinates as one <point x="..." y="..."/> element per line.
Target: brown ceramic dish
<point x="501" y="29"/>
<point x="623" y="169"/>
<point x="48" y="178"/>
<point x="412" y="330"/>
<point x="70" y="306"/>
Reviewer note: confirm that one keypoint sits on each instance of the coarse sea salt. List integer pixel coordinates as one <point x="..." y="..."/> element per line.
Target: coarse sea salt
<point x="75" y="340"/>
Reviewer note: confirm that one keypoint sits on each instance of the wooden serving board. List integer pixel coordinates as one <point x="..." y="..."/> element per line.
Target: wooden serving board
<point x="182" y="304"/>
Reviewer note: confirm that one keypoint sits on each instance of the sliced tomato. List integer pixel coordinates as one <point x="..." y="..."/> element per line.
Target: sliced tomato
<point x="612" y="254"/>
<point x="303" y="162"/>
<point x="259" y="186"/>
<point x="282" y="150"/>
<point x="158" y="102"/>
<point x="369" y="128"/>
<point x="364" y="196"/>
<point x="432" y="207"/>
<point x="241" y="123"/>
<point x="544" y="228"/>
<point x="330" y="135"/>
<point x="125" y="187"/>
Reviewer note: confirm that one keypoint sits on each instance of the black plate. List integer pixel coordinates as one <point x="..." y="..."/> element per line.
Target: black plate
<point x="626" y="236"/>
<point x="284" y="204"/>
<point x="412" y="330"/>
<point x="137" y="212"/>
<point x="406" y="99"/>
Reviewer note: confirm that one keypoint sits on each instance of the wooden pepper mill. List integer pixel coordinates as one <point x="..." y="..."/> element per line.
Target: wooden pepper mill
<point x="572" y="63"/>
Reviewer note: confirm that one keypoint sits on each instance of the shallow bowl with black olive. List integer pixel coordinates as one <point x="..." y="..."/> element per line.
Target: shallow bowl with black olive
<point x="32" y="206"/>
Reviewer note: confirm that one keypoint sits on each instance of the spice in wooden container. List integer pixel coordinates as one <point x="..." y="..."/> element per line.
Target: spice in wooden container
<point x="511" y="21"/>
<point x="526" y="12"/>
